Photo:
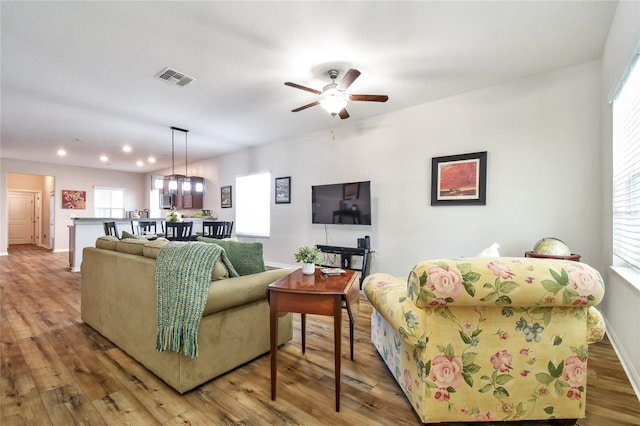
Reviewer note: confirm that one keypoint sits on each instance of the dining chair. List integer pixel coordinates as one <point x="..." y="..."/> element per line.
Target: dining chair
<point x="228" y="227"/>
<point x="213" y="229"/>
<point x="110" y="228"/>
<point x="142" y="227"/>
<point x="179" y="231"/>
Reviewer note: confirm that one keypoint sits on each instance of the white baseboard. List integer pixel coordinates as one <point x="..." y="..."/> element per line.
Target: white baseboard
<point x="61" y="250"/>
<point x="627" y="366"/>
<point x="4" y="253"/>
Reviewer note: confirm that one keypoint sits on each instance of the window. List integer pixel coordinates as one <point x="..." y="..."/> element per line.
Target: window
<point x="109" y="202"/>
<point x="626" y="169"/>
<point x="253" y="204"/>
<point x="155" y="196"/>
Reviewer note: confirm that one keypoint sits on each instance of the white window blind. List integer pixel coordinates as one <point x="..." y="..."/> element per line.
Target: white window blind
<point x="626" y="169"/>
<point x="253" y="205"/>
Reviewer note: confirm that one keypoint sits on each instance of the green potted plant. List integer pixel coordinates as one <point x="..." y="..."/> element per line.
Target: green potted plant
<point x="309" y="257"/>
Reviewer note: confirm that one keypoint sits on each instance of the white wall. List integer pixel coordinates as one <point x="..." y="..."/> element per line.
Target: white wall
<point x="622" y="300"/>
<point x="542" y="135"/>
<point x="67" y="177"/>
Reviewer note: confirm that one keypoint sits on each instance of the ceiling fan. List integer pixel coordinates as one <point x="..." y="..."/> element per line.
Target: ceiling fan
<point x="334" y="97"/>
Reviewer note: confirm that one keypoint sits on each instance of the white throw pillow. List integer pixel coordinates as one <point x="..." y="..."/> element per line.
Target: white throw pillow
<point x="491" y="251"/>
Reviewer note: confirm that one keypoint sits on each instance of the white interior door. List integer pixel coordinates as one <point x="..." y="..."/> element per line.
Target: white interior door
<point x="21" y="217"/>
<point x="52" y="221"/>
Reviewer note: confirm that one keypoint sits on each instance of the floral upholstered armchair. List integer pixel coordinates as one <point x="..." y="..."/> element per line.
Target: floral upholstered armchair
<point x="489" y="339"/>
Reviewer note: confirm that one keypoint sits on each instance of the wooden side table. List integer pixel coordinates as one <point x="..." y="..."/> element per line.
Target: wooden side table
<point x="318" y="294"/>
<point x="573" y="256"/>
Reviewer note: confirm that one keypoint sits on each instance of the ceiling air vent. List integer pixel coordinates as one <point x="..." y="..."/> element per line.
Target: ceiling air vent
<point x="175" y="77"/>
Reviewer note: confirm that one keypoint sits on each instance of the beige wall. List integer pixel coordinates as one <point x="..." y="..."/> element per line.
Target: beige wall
<point x="68" y="177"/>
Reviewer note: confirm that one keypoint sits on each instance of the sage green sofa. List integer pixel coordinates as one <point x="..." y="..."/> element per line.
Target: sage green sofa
<point x="118" y="300"/>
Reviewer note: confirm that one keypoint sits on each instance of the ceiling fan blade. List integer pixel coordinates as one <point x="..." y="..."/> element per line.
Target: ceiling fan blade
<point x="306" y="106"/>
<point x="369" y="98"/>
<point x="348" y="78"/>
<point x="343" y="113"/>
<point x="297" y="86"/>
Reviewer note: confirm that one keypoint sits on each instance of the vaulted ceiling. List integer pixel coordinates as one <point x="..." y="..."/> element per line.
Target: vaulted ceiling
<point x="81" y="76"/>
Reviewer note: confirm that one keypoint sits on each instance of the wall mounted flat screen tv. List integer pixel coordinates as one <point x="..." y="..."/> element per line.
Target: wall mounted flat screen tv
<point x="341" y="203"/>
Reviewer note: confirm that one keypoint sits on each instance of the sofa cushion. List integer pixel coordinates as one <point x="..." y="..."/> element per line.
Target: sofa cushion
<point x="131" y="246"/>
<point x="126" y="235"/>
<point x="220" y="272"/>
<point x="246" y="258"/>
<point x="152" y="248"/>
<point x="107" y="242"/>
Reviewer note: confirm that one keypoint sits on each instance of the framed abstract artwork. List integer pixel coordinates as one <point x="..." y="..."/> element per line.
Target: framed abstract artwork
<point x="283" y="190"/>
<point x="459" y="179"/>
<point x="225" y="197"/>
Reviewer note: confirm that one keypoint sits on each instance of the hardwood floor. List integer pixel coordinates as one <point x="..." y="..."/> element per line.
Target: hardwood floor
<point x="57" y="371"/>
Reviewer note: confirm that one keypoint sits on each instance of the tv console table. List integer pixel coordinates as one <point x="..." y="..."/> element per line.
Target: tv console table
<point x="346" y="254"/>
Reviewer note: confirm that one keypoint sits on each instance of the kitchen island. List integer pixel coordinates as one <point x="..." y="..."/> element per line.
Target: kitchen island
<point x="85" y="230"/>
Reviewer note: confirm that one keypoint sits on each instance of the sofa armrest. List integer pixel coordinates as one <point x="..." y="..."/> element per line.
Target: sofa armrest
<point x="231" y="292"/>
<point x="388" y="296"/>
<point x="595" y="325"/>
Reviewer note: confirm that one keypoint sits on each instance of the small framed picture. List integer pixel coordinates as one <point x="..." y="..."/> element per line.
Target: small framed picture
<point x="283" y="190"/>
<point x="459" y="179"/>
<point x="72" y="199"/>
<point x="225" y="197"/>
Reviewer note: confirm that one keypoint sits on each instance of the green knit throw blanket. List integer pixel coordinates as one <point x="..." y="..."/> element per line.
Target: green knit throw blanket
<point x="183" y="275"/>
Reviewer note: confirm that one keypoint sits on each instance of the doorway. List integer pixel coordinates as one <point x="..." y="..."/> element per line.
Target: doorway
<point x="23" y="218"/>
<point x="30" y="215"/>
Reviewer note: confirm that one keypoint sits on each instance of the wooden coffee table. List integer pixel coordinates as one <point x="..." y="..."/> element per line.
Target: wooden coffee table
<point x="318" y="294"/>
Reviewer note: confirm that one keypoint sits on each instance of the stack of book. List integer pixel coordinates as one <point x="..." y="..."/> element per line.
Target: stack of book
<point x="332" y="271"/>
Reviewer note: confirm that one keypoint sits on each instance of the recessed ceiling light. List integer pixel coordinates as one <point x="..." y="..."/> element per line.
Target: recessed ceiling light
<point x="151" y="160"/>
<point x="104" y="158"/>
<point x="62" y="152"/>
<point x="126" y="148"/>
<point x="140" y="163"/>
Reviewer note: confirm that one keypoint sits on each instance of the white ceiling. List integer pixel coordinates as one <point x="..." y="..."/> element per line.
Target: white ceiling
<point x="81" y="75"/>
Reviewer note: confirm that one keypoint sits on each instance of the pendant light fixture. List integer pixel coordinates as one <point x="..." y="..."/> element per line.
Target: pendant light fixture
<point x="175" y="181"/>
<point x="186" y="183"/>
<point x="190" y="183"/>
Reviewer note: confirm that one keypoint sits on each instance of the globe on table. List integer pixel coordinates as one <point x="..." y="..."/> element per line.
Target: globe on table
<point x="551" y="246"/>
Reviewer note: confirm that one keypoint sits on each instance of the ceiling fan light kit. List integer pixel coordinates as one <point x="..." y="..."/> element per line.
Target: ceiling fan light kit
<point x="335" y="98"/>
<point x="333" y="104"/>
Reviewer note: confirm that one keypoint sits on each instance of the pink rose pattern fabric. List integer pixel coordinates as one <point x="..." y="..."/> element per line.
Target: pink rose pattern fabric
<point x="445" y="283"/>
<point x="456" y="330"/>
